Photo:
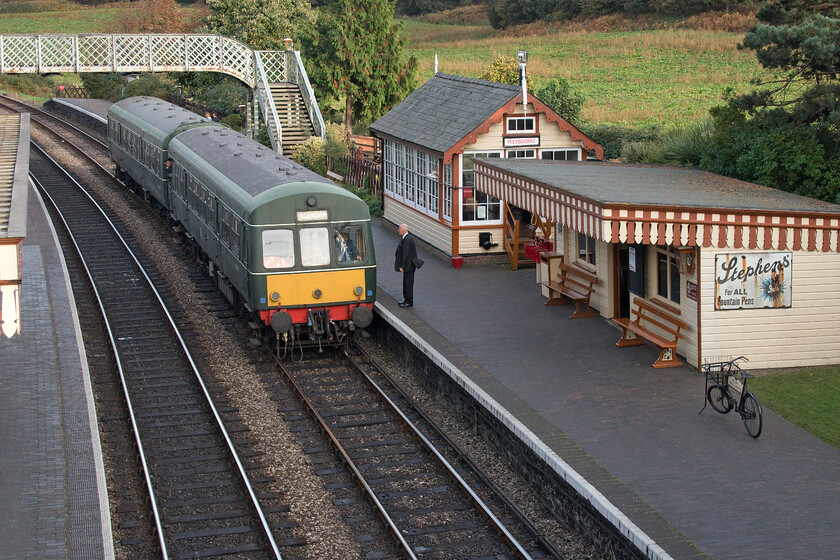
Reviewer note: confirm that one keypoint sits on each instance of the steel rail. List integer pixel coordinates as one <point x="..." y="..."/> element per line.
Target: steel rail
<point x="461" y="455"/>
<point x="476" y="499"/>
<point x="187" y="355"/>
<point x="348" y="461"/>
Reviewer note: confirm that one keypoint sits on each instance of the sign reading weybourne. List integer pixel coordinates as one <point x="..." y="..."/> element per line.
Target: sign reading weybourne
<point x="520" y="141"/>
<point x="753" y="280"/>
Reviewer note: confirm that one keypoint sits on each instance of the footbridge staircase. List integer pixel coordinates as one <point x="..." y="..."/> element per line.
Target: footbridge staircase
<point x="280" y="90"/>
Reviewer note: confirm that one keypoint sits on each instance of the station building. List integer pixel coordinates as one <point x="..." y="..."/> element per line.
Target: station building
<point x="14" y="185"/>
<point x="749" y="270"/>
<point x="428" y="141"/>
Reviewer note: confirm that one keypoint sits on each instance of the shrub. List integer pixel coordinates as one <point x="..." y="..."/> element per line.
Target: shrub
<point x="29" y="84"/>
<point x="613" y="137"/>
<point x="681" y="145"/>
<point x="312" y="154"/>
<point x="767" y="149"/>
<point x="150" y="85"/>
<point x="504" y="70"/>
<point x="559" y="95"/>
<point x="104" y="86"/>
<point x="234" y="121"/>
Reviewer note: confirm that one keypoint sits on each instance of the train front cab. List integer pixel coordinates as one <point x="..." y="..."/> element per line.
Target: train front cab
<point x="318" y="277"/>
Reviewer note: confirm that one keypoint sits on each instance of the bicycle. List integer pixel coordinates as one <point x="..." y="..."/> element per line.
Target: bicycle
<point x="719" y="393"/>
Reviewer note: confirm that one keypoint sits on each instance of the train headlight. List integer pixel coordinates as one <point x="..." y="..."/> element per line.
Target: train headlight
<point x="275" y="297"/>
<point x="358" y="290"/>
<point x="317" y="294"/>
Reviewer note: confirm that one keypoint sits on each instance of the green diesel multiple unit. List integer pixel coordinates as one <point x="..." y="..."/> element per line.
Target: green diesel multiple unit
<point x="288" y="244"/>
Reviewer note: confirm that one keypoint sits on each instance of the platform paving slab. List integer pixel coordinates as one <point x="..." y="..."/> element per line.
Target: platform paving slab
<point x="53" y="492"/>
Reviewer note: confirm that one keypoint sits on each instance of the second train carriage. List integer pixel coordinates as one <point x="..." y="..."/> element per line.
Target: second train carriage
<point x="139" y="132"/>
<point x="296" y="248"/>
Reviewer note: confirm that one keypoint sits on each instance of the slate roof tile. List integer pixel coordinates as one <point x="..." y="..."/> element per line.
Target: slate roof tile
<point x="441" y="112"/>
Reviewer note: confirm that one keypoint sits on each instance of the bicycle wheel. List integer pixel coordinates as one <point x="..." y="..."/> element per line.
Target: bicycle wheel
<point x="751" y="414"/>
<point x="719" y="398"/>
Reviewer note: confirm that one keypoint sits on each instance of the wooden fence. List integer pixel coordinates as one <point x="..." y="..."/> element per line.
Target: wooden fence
<point x="357" y="172"/>
<point x="72" y="92"/>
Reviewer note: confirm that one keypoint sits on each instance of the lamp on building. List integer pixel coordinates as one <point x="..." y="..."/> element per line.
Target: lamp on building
<point x="686" y="260"/>
<point x="288" y="42"/>
<point x="10" y="279"/>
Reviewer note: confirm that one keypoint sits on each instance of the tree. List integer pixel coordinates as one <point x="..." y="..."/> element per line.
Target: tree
<point x="504" y="70"/>
<point x="355" y="52"/>
<point x="801" y="39"/>
<point x="787" y="135"/>
<point x="260" y="24"/>
<point x="559" y="95"/>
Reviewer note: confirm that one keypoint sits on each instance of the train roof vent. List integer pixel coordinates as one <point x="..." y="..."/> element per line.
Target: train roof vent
<point x="237" y="154"/>
<point x="291" y="172"/>
<point x="222" y="144"/>
<point x="205" y="133"/>
<point x="255" y="155"/>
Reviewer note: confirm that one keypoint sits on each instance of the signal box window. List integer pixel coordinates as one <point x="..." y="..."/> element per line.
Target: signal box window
<point x="476" y="205"/>
<point x="561" y="155"/>
<point x="278" y="248"/>
<point x="314" y="247"/>
<point x="349" y="245"/>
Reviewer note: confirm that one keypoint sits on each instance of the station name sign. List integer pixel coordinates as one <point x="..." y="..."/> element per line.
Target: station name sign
<point x="753" y="280"/>
<point x="517" y="141"/>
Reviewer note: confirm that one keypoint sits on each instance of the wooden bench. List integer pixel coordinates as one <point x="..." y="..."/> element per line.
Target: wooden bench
<point x="650" y="314"/>
<point x="335" y="176"/>
<point x="574" y="284"/>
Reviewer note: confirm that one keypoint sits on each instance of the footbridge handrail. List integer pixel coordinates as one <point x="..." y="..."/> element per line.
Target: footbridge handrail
<point x="267" y="106"/>
<point x="146" y="52"/>
<point x="164" y="52"/>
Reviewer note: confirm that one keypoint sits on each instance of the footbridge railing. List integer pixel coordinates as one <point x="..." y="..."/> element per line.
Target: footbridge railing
<point x="158" y="52"/>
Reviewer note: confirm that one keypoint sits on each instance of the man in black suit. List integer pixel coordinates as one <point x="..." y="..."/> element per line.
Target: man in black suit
<point x="405" y="255"/>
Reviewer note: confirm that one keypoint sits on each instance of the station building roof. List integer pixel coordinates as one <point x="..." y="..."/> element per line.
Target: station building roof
<point x="661" y="204"/>
<point x="449" y="111"/>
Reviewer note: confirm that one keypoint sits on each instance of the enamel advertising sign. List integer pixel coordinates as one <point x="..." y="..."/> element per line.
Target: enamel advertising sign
<point x="753" y="280"/>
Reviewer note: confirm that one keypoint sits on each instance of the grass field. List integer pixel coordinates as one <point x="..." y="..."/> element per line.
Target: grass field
<point x="67" y="18"/>
<point x="810" y="398"/>
<point x="637" y="78"/>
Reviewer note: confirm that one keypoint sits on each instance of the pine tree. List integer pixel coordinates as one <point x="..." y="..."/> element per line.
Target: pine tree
<point x="801" y="40"/>
<point x="787" y="134"/>
<point x="355" y="53"/>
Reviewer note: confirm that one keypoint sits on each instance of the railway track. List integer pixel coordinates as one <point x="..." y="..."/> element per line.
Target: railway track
<point x="433" y="500"/>
<point x="95" y="149"/>
<point x="199" y="505"/>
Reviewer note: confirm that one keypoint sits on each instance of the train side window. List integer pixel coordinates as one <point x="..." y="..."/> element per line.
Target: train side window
<point x="314" y="246"/>
<point x="278" y="248"/>
<point x="349" y="244"/>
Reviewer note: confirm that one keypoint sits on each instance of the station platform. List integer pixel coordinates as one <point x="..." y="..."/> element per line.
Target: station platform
<point x="684" y="485"/>
<point x="53" y="491"/>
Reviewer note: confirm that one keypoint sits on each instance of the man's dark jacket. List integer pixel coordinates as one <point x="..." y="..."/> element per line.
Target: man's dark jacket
<point x="405" y="255"/>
